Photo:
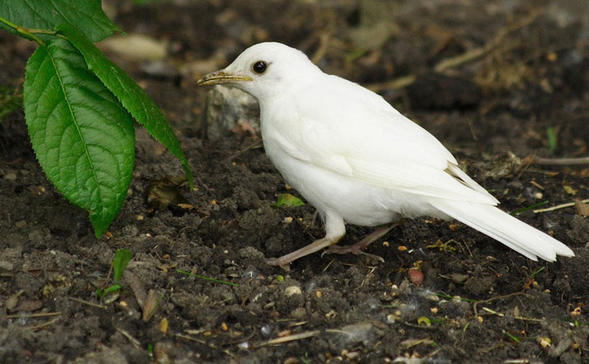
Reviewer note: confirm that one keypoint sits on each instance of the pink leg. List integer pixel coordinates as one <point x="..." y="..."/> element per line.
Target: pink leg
<point x="334" y="230"/>
<point x="357" y="247"/>
<point x="286" y="259"/>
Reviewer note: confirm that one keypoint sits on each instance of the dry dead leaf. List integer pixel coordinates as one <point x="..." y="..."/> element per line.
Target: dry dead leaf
<point x="570" y="190"/>
<point x="582" y="208"/>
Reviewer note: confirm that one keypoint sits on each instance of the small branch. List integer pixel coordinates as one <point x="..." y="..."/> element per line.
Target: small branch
<point x="203" y="342"/>
<point x="87" y="303"/>
<point x="521" y="318"/>
<point x="475" y="305"/>
<point x="558" y="207"/>
<point x="43" y="325"/>
<point x="487" y="309"/>
<point x="396" y="84"/>
<point x="323" y="45"/>
<point x="34" y="315"/>
<point x="129" y="337"/>
<point x="560" y="161"/>
<point x="465" y="57"/>
<point x="479" y="52"/>
<point x="254" y="145"/>
<point x="285" y="339"/>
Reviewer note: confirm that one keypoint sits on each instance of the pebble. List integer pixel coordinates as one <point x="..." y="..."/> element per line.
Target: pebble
<point x="292" y="290"/>
<point x="298" y="313"/>
<point x="226" y="108"/>
<point x="6" y="265"/>
<point x="415" y="276"/>
<point x="10" y="176"/>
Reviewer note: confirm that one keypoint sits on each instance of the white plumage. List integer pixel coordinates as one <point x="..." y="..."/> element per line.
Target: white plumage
<point x="357" y="159"/>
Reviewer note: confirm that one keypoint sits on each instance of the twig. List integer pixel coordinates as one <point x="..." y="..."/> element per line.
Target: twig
<point x="87" y="303"/>
<point x="396" y="84"/>
<point x="487" y="309"/>
<point x="285" y="339"/>
<point x="560" y="161"/>
<point x="323" y="45"/>
<point x="479" y="52"/>
<point x="43" y="325"/>
<point x="521" y="318"/>
<point x="474" y="306"/>
<point x="34" y="315"/>
<point x="203" y="342"/>
<point x="467" y="56"/>
<point x="432" y="353"/>
<point x="558" y="207"/>
<point x="240" y="152"/>
<point x="133" y="341"/>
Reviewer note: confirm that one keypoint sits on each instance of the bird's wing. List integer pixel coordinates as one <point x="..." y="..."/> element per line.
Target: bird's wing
<point x="354" y="132"/>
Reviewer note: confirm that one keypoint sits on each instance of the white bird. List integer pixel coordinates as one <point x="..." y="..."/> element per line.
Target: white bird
<point x="357" y="160"/>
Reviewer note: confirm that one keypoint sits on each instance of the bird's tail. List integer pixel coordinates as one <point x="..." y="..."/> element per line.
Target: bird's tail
<point x="505" y="228"/>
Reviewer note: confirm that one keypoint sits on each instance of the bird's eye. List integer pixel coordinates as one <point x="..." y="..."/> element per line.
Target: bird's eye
<point x="260" y="67"/>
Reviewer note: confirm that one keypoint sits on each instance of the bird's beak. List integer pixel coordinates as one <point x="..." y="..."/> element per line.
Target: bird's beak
<point x="219" y="77"/>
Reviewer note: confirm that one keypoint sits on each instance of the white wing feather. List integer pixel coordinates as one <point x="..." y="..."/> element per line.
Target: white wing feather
<point x="337" y="133"/>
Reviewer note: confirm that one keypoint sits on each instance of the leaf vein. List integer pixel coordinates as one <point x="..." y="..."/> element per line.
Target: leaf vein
<point x="75" y="122"/>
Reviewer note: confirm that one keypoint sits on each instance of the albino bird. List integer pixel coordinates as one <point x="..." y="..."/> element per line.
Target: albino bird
<point x="357" y="160"/>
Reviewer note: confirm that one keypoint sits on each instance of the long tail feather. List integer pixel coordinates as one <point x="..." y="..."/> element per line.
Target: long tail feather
<point x="504" y="228"/>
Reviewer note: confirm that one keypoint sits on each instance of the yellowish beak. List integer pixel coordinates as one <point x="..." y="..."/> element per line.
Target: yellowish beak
<point x="220" y="77"/>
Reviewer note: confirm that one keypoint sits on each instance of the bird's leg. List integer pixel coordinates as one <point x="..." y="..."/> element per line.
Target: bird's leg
<point x="357" y="247"/>
<point x="334" y="231"/>
<point x="286" y="259"/>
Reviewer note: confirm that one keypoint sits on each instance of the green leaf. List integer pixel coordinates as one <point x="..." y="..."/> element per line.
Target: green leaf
<point x="531" y="207"/>
<point x="119" y="263"/>
<point x="133" y="97"/>
<point x="288" y="200"/>
<point x="81" y="135"/>
<point x="86" y="15"/>
<point x="111" y="289"/>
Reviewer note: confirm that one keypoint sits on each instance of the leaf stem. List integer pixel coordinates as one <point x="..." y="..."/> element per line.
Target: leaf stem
<point x="28" y="33"/>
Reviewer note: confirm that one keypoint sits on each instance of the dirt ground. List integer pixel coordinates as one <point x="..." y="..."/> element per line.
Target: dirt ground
<point x="517" y="73"/>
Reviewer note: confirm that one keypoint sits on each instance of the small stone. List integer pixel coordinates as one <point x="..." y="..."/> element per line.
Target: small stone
<point x="458" y="278"/>
<point x="228" y="108"/>
<point x="292" y="290"/>
<point x="415" y="276"/>
<point x="6" y="265"/>
<point x="36" y="237"/>
<point x="10" y="176"/>
<point x="544" y="342"/>
<point x="298" y="313"/>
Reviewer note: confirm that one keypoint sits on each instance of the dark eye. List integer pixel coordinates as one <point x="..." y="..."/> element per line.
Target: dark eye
<point x="260" y="67"/>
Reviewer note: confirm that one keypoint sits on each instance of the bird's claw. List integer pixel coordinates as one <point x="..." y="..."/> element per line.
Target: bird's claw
<point x="351" y="249"/>
<point x="278" y="263"/>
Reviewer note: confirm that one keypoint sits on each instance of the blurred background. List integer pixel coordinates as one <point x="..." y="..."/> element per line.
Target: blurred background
<point x="503" y="62"/>
<point x="518" y="68"/>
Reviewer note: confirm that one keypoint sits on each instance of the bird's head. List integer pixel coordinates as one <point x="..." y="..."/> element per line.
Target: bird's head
<point x="265" y="70"/>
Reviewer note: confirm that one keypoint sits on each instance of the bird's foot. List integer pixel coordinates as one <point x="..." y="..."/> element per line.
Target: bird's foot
<point x="277" y="262"/>
<point x="350" y="249"/>
<point x="285" y="260"/>
<point x="358" y="247"/>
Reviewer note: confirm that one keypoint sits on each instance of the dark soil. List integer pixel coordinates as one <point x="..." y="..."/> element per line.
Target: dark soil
<point x="479" y="301"/>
